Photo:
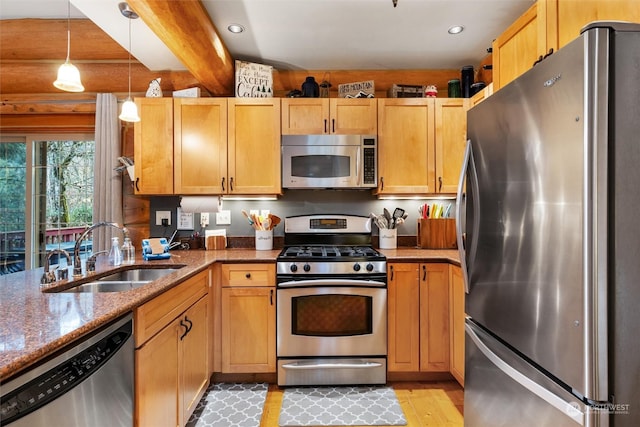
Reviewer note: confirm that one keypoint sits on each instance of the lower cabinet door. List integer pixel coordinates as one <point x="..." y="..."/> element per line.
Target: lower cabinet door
<point x="248" y="330"/>
<point x="157" y="379"/>
<point x="194" y="354"/>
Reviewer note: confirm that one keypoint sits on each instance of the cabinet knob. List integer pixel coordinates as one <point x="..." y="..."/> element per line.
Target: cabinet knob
<point x="248" y="275"/>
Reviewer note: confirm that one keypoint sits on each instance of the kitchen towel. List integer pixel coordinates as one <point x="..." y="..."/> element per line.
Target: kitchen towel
<point x="340" y="406"/>
<point x="230" y="404"/>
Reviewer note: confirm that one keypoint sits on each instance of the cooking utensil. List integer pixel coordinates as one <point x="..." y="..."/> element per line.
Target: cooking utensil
<point x="397" y="213"/>
<point x="275" y="220"/>
<point x="246" y="215"/>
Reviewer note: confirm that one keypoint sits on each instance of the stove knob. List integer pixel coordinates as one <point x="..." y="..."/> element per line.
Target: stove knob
<point x="293" y="268"/>
<point x="306" y="267"/>
<point x="356" y="267"/>
<point x="369" y="267"/>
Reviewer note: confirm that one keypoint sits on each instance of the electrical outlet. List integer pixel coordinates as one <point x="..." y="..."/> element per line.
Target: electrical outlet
<point x="223" y="217"/>
<point x="264" y="213"/>
<point x="204" y="219"/>
<point x="160" y="215"/>
<point x="255" y="212"/>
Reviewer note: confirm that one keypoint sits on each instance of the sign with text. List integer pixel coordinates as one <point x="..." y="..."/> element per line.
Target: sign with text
<point x="366" y="89"/>
<point x="253" y="80"/>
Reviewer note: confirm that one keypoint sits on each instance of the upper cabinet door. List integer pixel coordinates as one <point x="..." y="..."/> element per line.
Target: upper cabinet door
<point x="323" y="116"/>
<point x="305" y="116"/>
<point x="254" y="146"/>
<point x="406" y="146"/>
<point x="153" y="146"/>
<point x="565" y="18"/>
<point x="200" y="145"/>
<point x="450" y="142"/>
<point x="517" y="48"/>
<point x="353" y="116"/>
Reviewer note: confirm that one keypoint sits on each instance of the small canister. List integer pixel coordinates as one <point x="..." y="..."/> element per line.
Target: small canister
<point x="454" y="88"/>
<point x="466" y="80"/>
<point x="477" y="87"/>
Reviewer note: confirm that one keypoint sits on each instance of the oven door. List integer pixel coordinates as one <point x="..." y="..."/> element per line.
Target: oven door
<point x="321" y="166"/>
<point x="346" y="318"/>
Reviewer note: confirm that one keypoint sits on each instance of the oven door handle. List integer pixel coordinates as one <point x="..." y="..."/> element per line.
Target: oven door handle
<point x="337" y="365"/>
<point x="332" y="282"/>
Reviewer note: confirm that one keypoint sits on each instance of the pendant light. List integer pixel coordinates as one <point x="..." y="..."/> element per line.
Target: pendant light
<point x="129" y="109"/>
<point x="68" y="75"/>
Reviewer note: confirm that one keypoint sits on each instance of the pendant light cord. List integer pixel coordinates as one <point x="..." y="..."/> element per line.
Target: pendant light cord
<point x="129" y="57"/>
<point x="68" y="28"/>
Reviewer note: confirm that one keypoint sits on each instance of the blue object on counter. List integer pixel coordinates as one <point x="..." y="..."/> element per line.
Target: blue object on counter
<point x="147" y="253"/>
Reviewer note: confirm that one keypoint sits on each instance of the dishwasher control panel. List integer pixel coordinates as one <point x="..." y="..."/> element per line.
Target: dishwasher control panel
<point x="57" y="381"/>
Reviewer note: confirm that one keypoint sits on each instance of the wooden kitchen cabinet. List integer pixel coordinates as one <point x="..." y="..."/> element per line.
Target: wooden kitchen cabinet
<point x="200" y="145"/>
<point x="171" y="356"/>
<point x="457" y="319"/>
<point x="190" y="146"/>
<point x="518" y="47"/>
<point x="418" y="317"/>
<point x="547" y="26"/>
<point x="253" y="147"/>
<point x="153" y="146"/>
<point x="434" y="317"/>
<point x="421" y="145"/>
<point x="318" y="116"/>
<point x="248" y="318"/>
<point x="403" y="312"/>
<point x="450" y="142"/>
<point x="563" y="19"/>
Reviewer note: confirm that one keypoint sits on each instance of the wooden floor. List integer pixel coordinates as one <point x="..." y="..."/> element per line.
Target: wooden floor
<point x="432" y="404"/>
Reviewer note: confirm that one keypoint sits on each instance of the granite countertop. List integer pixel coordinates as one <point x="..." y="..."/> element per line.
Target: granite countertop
<point x="34" y="324"/>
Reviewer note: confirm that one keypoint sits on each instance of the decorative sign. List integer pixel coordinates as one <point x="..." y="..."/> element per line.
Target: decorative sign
<point x="365" y="89"/>
<point x="253" y="80"/>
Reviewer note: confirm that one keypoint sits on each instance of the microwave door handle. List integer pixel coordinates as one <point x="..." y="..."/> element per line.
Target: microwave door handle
<point x="358" y="177"/>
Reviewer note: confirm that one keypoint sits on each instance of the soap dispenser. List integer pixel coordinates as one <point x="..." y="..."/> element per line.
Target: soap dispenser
<point x="115" y="254"/>
<point x="128" y="251"/>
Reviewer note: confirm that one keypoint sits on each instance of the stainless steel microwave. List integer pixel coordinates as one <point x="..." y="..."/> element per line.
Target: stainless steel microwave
<point x="329" y="161"/>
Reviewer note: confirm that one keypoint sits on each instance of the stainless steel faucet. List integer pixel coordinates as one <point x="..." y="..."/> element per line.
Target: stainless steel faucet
<point x="50" y="276"/>
<point x="77" y="263"/>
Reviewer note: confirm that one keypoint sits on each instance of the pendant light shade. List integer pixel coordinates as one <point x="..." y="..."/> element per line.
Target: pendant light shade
<point x="68" y="78"/>
<point x="68" y="75"/>
<point x="129" y="109"/>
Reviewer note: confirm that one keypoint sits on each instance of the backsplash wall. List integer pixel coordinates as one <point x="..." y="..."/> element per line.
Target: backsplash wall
<point x="295" y="202"/>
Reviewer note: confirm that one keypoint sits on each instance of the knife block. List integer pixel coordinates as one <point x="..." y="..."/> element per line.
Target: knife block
<point x="437" y="233"/>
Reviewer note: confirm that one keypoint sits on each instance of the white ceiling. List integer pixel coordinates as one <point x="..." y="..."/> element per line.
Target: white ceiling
<point x="315" y="34"/>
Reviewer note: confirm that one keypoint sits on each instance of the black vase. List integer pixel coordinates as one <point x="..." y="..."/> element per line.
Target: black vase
<point x="310" y="88"/>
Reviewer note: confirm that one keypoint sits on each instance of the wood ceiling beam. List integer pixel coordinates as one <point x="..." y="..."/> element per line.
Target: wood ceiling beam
<point x="186" y="29"/>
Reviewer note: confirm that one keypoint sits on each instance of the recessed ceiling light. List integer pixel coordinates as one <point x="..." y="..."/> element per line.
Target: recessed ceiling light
<point x="456" y="29"/>
<point x="235" y="28"/>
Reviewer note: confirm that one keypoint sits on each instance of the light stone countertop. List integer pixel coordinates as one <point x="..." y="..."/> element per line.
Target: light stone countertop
<point x="34" y="324"/>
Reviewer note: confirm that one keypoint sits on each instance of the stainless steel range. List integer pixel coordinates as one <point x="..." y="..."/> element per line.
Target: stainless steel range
<point x="331" y="303"/>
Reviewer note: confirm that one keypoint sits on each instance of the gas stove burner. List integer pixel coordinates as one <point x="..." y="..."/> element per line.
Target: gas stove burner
<point x="329" y="251"/>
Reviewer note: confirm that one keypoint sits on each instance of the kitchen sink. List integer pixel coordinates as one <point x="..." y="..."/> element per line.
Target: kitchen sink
<point x="121" y="281"/>
<point x="108" y="286"/>
<point x="137" y="275"/>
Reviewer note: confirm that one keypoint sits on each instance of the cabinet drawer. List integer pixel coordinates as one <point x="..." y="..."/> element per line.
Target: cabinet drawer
<point x="154" y="315"/>
<point x="248" y="275"/>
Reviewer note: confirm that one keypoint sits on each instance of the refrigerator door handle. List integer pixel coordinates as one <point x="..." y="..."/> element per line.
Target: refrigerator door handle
<point x="463" y="238"/>
<point x="568" y="408"/>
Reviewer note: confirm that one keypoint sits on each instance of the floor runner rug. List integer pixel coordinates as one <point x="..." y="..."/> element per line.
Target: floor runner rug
<point x="230" y="404"/>
<point x="340" y="406"/>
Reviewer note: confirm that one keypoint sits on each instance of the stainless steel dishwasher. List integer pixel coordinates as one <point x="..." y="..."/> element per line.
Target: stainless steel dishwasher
<point x="89" y="383"/>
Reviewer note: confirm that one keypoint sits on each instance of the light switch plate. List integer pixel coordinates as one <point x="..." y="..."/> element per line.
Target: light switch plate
<point x="223" y="217"/>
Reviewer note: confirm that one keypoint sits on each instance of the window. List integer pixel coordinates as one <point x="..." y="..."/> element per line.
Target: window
<point x="46" y="196"/>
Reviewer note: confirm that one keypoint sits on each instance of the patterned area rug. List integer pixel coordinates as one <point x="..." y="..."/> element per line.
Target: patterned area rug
<point x="229" y="404"/>
<point x="340" y="406"/>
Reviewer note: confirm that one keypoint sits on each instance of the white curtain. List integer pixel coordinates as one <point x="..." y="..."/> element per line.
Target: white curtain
<point x="107" y="183"/>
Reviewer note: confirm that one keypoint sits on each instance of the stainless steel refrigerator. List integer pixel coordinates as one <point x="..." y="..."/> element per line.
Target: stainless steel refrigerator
<point x="550" y="240"/>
